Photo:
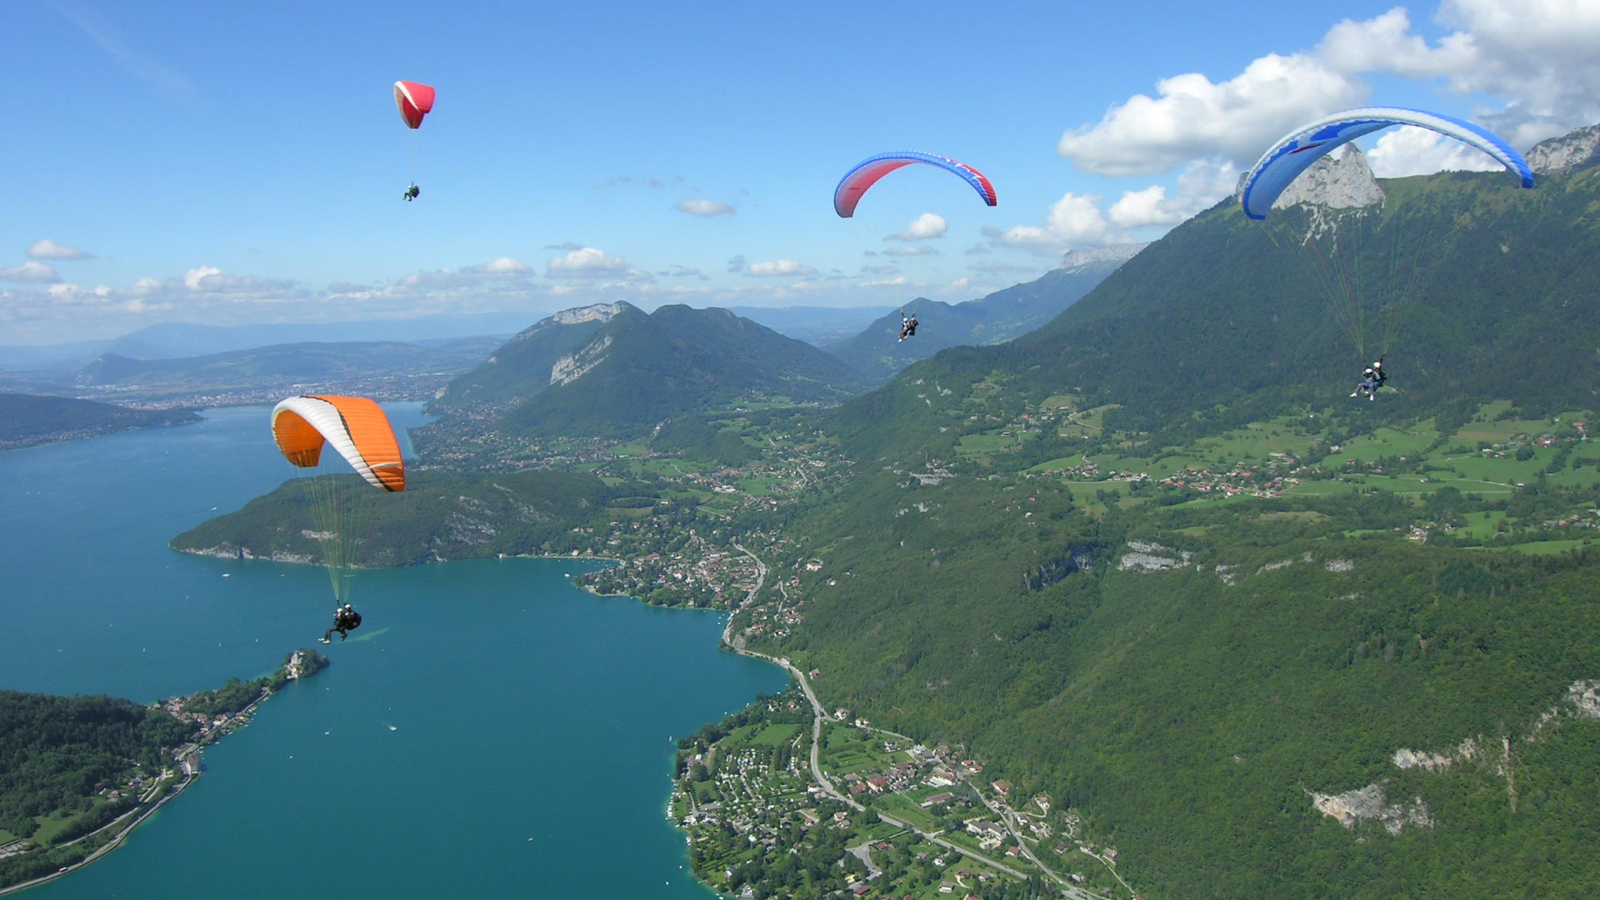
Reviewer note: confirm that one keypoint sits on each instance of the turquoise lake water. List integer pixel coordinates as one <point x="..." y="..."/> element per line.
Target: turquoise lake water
<point x="490" y="730"/>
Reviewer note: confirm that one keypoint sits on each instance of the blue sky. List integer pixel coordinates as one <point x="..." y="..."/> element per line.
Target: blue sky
<point x="235" y="164"/>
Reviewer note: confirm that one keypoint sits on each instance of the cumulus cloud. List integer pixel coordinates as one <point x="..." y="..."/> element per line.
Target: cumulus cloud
<point x="911" y="251"/>
<point x="30" y="273"/>
<point x="505" y="265"/>
<point x="701" y="207"/>
<point x="1203" y="183"/>
<point x="1193" y="116"/>
<point x="585" y="262"/>
<point x="1535" y="56"/>
<point x="884" y="282"/>
<point x="45" y="248"/>
<point x="1074" y="221"/>
<point x="736" y="264"/>
<point x="924" y="227"/>
<point x="778" y="268"/>
<point x="1417" y="151"/>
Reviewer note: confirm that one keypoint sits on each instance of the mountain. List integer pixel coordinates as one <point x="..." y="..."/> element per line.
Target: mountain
<point x="28" y="419"/>
<point x="616" y="371"/>
<point x="288" y="367"/>
<point x="1487" y="289"/>
<point x="816" y="325"/>
<point x="1357" y="691"/>
<point x="175" y="340"/>
<point x="521" y="368"/>
<point x="878" y="353"/>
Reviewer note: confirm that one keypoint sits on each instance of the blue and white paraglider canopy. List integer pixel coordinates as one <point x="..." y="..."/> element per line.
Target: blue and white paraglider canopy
<point x="1295" y="152"/>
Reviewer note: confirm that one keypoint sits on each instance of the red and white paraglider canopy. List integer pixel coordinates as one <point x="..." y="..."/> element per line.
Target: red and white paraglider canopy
<point x="414" y="101"/>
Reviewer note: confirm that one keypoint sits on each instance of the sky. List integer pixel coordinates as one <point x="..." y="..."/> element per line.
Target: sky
<point x="237" y="164"/>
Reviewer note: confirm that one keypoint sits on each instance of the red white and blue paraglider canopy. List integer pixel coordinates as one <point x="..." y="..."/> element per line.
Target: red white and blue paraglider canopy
<point x="866" y="174"/>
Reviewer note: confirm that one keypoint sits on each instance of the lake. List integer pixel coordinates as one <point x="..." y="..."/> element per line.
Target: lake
<point x="489" y="731"/>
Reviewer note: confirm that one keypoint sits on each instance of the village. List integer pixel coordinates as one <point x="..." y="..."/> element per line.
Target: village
<point x="890" y="817"/>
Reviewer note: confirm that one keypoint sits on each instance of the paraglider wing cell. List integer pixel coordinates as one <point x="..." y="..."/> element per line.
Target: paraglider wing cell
<point x="859" y="179"/>
<point x="414" y="101"/>
<point x="1295" y="152"/>
<point x="355" y="426"/>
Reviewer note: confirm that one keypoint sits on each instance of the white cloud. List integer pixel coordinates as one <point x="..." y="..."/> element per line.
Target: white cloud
<point x="885" y="282"/>
<point x="1194" y="117"/>
<point x="1417" y="151"/>
<point x="1074" y="221"/>
<point x="924" y="227"/>
<point x="45" y="248"/>
<point x="911" y="251"/>
<point x="1203" y="183"/>
<point x="585" y="262"/>
<point x="30" y="273"/>
<point x="505" y="265"/>
<point x="1536" y="57"/>
<point x="781" y="267"/>
<point x="701" y="207"/>
<point x="194" y="278"/>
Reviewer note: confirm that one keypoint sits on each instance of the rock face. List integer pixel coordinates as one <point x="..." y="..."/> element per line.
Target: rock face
<point x="599" y="312"/>
<point x="1577" y="150"/>
<point x="1343" y="183"/>
<point x="1370" y="804"/>
<point x="573" y="366"/>
<point x="1116" y="253"/>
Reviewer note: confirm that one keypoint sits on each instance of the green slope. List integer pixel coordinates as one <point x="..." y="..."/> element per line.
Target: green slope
<point x="1219" y="315"/>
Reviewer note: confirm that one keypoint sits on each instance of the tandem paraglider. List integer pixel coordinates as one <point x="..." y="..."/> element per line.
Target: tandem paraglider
<point x="1369" y="269"/>
<point x="342" y="504"/>
<point x="414" y="101"/>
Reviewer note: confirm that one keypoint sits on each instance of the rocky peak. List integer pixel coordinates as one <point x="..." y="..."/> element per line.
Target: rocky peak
<point x="1577" y="150"/>
<point x="599" y="312"/>
<point x="1074" y="259"/>
<point x="1345" y="182"/>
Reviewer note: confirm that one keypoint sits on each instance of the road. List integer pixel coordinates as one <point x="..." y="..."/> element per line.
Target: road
<point x="819" y="716"/>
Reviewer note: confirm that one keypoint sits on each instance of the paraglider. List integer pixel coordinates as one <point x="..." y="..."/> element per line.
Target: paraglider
<point x="345" y="620"/>
<point x="341" y="506"/>
<point x="908" y="324"/>
<point x="414" y="101"/>
<point x="1369" y="267"/>
<point x="1296" y="151"/>
<point x="859" y="179"/>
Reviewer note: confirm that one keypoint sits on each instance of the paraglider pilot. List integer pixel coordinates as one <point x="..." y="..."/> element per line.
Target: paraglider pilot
<point x="1372" y="378"/>
<point x="411" y="193"/>
<point x="345" y="620"/>
<point x="908" y="326"/>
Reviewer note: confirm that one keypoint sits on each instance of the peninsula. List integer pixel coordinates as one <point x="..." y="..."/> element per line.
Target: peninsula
<point x="77" y="774"/>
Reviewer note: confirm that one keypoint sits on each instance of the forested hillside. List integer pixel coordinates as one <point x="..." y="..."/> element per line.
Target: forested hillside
<point x="27" y="419"/>
<point x="1219" y="323"/>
